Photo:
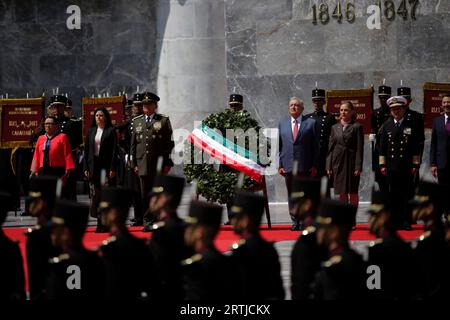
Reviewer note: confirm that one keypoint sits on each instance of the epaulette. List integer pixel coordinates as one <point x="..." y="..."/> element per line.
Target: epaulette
<point x="375" y="242"/>
<point x="191" y="260"/>
<point x="157" y="225"/>
<point x="109" y="240"/>
<point x="58" y="259"/>
<point x="308" y="230"/>
<point x="137" y="117"/>
<point x="425" y="235"/>
<point x="32" y="229"/>
<point x="332" y="261"/>
<point x="238" y="244"/>
<point x="162" y="115"/>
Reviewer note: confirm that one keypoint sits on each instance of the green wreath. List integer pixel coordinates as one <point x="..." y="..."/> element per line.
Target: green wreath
<point x="219" y="185"/>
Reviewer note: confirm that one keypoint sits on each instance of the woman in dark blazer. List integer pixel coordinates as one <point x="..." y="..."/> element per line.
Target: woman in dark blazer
<point x="345" y="154"/>
<point x="100" y="153"/>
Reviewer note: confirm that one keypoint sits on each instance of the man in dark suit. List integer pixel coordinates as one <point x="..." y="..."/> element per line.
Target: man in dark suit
<point x="379" y="116"/>
<point x="151" y="138"/>
<point x="256" y="259"/>
<point x="400" y="159"/>
<point x="12" y="278"/>
<point x="130" y="272"/>
<point x="306" y="255"/>
<point x="440" y="144"/>
<point x="343" y="275"/>
<point x="298" y="141"/>
<point x="324" y="122"/>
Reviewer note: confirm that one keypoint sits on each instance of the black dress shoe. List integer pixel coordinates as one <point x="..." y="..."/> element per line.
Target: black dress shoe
<point x="295" y="227"/>
<point x="137" y="224"/>
<point x="227" y="223"/>
<point x="407" y="226"/>
<point x="101" y="229"/>
<point x="145" y="229"/>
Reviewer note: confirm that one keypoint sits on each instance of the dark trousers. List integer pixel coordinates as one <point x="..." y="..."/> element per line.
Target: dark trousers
<point x="134" y="184"/>
<point x="400" y="191"/>
<point x="444" y="175"/>
<point x="146" y="187"/>
<point x="288" y="180"/>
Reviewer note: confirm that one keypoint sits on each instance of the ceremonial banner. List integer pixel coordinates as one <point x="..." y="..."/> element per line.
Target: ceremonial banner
<point x="362" y="100"/>
<point x="18" y="119"/>
<point x="226" y="151"/>
<point x="432" y="101"/>
<point x="114" y="105"/>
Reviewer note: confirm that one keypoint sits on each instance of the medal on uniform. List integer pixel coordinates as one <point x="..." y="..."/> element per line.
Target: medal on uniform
<point x="407" y="131"/>
<point x="157" y="125"/>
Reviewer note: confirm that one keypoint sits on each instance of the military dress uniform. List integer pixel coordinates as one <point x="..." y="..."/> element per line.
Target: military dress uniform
<point x="343" y="275"/>
<point x="151" y="138"/>
<point x="39" y="248"/>
<point x="432" y="252"/>
<point x="306" y="255"/>
<point x="414" y="117"/>
<point x="74" y="216"/>
<point x="167" y="243"/>
<point x="379" y="116"/>
<point x="256" y="259"/>
<point x="394" y="257"/>
<point x="324" y="121"/>
<point x="399" y="153"/>
<point x="206" y="273"/>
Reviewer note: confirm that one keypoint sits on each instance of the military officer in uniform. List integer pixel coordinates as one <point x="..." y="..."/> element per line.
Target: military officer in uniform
<point x="132" y="179"/>
<point x="399" y="159"/>
<point x="431" y="252"/>
<point x="306" y="255"/>
<point x="151" y="138"/>
<point x="206" y="273"/>
<point x="343" y="275"/>
<point x="324" y="121"/>
<point x="416" y="118"/>
<point x="68" y="226"/>
<point x="39" y="249"/>
<point x="167" y="242"/>
<point x="379" y="116"/>
<point x="393" y="255"/>
<point x="12" y="278"/>
<point x="129" y="265"/>
<point x="256" y="259"/>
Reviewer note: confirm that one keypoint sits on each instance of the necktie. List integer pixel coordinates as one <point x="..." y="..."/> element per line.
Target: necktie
<point x="447" y="126"/>
<point x="295" y="132"/>
<point x="147" y="118"/>
<point x="397" y="125"/>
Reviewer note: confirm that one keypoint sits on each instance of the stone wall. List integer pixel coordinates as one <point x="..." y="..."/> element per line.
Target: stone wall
<point x="195" y="52"/>
<point x="274" y="52"/>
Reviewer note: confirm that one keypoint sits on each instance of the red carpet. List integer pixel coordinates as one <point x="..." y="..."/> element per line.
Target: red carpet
<point x="223" y="242"/>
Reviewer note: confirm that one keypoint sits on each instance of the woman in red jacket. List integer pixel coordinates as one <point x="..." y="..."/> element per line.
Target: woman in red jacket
<point x="52" y="153"/>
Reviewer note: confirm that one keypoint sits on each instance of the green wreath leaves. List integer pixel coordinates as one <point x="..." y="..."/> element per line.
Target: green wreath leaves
<point x="217" y="183"/>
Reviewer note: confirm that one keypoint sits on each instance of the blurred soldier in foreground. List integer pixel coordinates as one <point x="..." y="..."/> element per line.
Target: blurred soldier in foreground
<point x="41" y="198"/>
<point x="207" y="271"/>
<point x="256" y="259"/>
<point x="77" y="273"/>
<point x="130" y="271"/>
<point x="343" y="275"/>
<point x="389" y="252"/>
<point x="167" y="243"/>
<point x="431" y="253"/>
<point x="306" y="254"/>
